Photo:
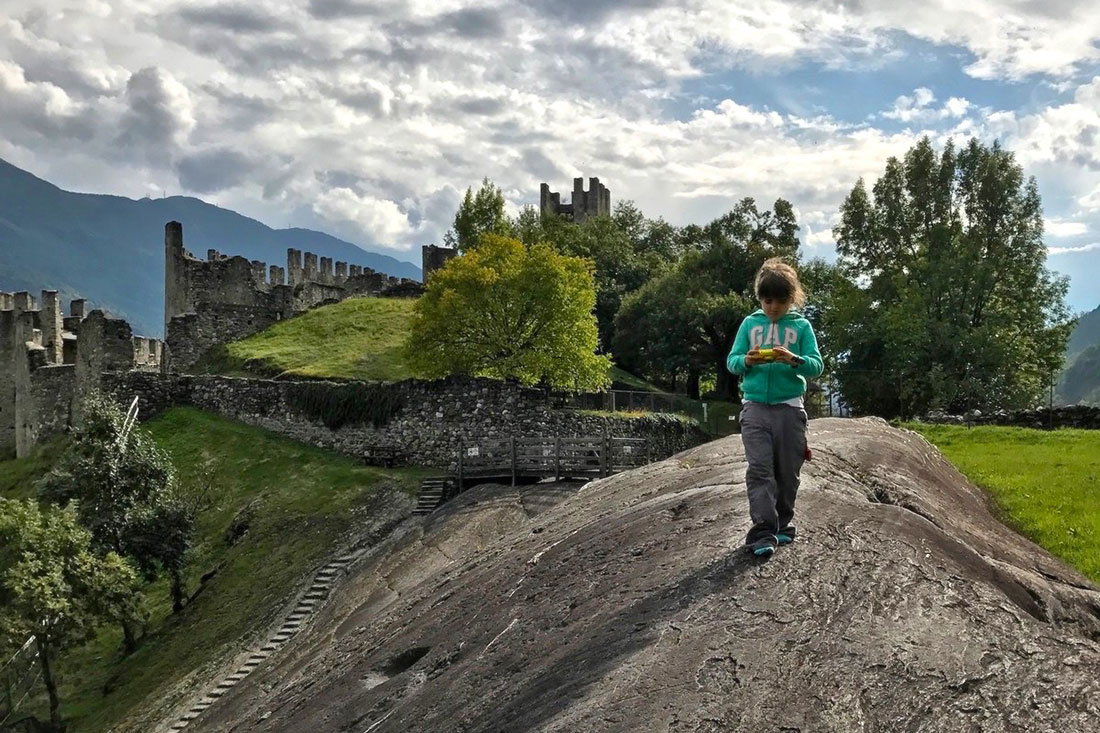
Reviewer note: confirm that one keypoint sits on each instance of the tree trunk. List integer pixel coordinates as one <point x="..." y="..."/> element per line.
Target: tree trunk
<point x="51" y="685"/>
<point x="725" y="383"/>
<point x="177" y="591"/>
<point x="129" y="641"/>
<point x="693" y="384"/>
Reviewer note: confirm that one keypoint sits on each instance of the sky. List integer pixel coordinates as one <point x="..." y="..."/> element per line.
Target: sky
<point x="369" y="120"/>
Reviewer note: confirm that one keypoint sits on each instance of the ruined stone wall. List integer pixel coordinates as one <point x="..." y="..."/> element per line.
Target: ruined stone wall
<point x="596" y="201"/>
<point x="1066" y="416"/>
<point x="222" y="299"/>
<point x="52" y="391"/>
<point x="190" y="335"/>
<point x="428" y="424"/>
<point x="47" y="360"/>
<point x="433" y="258"/>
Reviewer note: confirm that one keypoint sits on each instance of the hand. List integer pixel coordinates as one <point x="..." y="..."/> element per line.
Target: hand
<point x="786" y="356"/>
<point x="752" y="358"/>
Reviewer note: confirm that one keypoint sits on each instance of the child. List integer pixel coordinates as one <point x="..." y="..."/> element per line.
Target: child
<point x="773" y="421"/>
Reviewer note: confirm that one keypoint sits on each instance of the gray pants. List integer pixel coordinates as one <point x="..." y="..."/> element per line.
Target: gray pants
<point x="775" y="446"/>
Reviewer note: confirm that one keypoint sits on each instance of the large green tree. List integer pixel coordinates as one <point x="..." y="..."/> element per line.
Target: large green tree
<point x="54" y="587"/>
<point x="948" y="303"/>
<point x="504" y="310"/>
<point x="126" y="495"/>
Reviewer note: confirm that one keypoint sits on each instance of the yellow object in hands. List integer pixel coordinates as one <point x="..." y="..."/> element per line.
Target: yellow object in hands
<point x="766" y="354"/>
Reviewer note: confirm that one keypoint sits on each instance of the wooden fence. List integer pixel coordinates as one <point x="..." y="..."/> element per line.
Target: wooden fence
<point x="544" y="457"/>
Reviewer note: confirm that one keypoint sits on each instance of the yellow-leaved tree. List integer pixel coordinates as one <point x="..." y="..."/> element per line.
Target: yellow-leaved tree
<point x="503" y="310"/>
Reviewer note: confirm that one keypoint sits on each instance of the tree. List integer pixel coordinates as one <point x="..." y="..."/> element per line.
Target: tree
<point x="685" y="320"/>
<point x="506" y="311"/>
<point x="480" y="213"/>
<point x="53" y="587"/>
<point x="948" y="303"/>
<point x="126" y="495"/>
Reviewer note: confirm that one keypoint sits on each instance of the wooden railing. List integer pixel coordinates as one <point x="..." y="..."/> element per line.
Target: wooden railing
<point x="544" y="457"/>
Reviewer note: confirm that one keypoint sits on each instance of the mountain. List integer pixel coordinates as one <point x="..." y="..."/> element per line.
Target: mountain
<point x="1085" y="334"/>
<point x="1080" y="379"/>
<point x="110" y="249"/>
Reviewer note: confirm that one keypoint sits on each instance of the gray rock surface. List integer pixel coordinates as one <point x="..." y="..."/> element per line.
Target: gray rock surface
<point x="627" y="605"/>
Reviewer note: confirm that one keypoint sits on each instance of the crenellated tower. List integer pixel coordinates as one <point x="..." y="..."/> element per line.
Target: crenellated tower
<point x="596" y="201"/>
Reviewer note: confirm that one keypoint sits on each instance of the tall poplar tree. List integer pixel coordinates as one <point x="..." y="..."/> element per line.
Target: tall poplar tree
<point x="948" y="303"/>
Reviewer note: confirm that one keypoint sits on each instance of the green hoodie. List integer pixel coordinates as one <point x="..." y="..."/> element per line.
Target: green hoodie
<point x="775" y="382"/>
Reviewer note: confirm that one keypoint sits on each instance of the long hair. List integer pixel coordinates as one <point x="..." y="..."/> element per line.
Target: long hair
<point x="777" y="279"/>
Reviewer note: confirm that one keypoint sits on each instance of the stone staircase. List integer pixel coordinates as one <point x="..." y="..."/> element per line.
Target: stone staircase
<point x="431" y="495"/>
<point x="317" y="592"/>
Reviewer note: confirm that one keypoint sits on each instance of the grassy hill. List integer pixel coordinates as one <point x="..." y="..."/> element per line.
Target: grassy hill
<point x="1044" y="482"/>
<point x="304" y="503"/>
<point x="358" y="338"/>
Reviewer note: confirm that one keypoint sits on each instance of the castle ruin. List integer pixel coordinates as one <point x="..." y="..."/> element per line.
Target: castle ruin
<point x="223" y="299"/>
<point x="47" y="358"/>
<point x="596" y="201"/>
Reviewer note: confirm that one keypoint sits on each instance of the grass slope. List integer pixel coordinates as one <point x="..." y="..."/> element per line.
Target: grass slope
<point x="358" y="338"/>
<point x="1046" y="483"/>
<point x="305" y="500"/>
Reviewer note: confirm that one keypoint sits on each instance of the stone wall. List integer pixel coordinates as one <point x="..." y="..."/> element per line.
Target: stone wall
<point x="52" y="390"/>
<point x="596" y="201"/>
<point x="1067" y="416"/>
<point x="429" y="420"/>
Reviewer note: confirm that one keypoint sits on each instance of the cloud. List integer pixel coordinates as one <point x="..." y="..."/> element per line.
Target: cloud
<point x="159" y="114"/>
<point x="214" y="169"/>
<point x="236" y="18"/>
<point x="1059" y="228"/>
<point x="381" y="220"/>
<point x="917" y="108"/>
<point x="1074" y="250"/>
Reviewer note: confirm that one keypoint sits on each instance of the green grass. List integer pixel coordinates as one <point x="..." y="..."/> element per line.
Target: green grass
<point x="18" y="475"/>
<point x="358" y="338"/>
<point x="308" y="500"/>
<point x="1046" y="483"/>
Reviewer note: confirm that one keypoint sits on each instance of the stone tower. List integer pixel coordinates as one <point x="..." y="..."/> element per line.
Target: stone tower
<point x="432" y="258"/>
<point x="596" y="201"/>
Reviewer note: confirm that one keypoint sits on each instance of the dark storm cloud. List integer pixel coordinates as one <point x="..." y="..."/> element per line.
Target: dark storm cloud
<point x="152" y="120"/>
<point x="484" y="106"/>
<point x="403" y="53"/>
<point x="590" y="11"/>
<point x="328" y="9"/>
<point x="473" y="22"/>
<point x="213" y="170"/>
<point x="236" y="18"/>
<point x="239" y="111"/>
<point x="537" y="164"/>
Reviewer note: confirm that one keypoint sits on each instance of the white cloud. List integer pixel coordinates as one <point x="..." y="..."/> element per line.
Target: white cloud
<point x="917" y="108"/>
<point x="1091" y="200"/>
<point x="381" y="220"/>
<point x="1059" y="228"/>
<point x="1074" y="250"/>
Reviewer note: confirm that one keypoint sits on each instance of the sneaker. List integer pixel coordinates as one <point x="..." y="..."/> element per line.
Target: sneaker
<point x="763" y="547"/>
<point x="785" y="536"/>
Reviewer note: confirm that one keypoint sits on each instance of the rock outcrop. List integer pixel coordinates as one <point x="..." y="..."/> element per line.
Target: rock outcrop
<point x="627" y="605"/>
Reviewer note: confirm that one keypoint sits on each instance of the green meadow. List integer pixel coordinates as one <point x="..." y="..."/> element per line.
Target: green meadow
<point x="1046" y="483"/>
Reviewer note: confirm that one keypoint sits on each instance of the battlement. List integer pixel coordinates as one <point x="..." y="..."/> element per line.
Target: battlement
<point x="45" y="355"/>
<point x="596" y="201"/>
<point x="225" y="298"/>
